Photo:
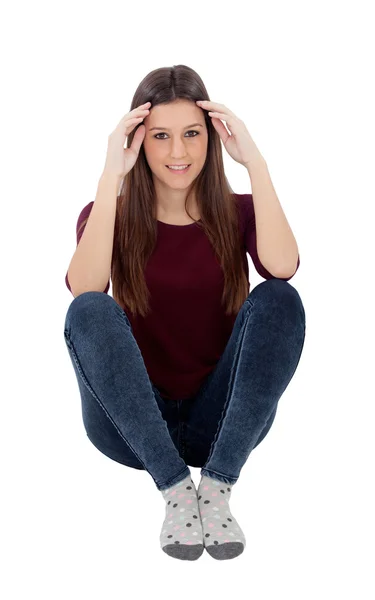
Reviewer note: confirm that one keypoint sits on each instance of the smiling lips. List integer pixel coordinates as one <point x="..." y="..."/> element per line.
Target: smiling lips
<point x="178" y="168"/>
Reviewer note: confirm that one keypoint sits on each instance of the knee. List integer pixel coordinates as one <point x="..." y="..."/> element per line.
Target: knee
<point x="85" y="305"/>
<point x="279" y="293"/>
<point x="276" y="288"/>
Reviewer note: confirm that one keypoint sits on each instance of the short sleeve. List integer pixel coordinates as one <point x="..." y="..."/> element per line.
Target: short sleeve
<point x="84" y="214"/>
<point x="251" y="241"/>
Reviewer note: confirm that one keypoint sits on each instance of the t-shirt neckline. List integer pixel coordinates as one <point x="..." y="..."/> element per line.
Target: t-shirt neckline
<point x="172" y="225"/>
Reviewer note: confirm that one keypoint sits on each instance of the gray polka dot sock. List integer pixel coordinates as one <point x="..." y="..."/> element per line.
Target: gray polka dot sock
<point x="222" y="536"/>
<point x="182" y="534"/>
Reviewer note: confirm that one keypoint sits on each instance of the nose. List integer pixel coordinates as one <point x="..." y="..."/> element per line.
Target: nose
<point x="178" y="150"/>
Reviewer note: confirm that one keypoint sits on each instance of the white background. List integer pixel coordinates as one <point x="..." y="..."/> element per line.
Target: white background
<point x="76" y="524"/>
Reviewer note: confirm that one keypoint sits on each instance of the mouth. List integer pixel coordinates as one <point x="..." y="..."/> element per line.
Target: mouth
<point x="178" y="171"/>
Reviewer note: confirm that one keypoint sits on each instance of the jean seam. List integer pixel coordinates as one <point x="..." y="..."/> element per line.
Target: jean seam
<point x="181" y="438"/>
<point x="232" y="377"/>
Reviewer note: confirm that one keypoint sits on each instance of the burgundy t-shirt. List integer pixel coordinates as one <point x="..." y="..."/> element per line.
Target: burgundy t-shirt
<point x="185" y="334"/>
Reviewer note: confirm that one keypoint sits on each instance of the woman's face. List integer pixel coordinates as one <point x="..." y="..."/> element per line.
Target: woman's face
<point x="176" y="134"/>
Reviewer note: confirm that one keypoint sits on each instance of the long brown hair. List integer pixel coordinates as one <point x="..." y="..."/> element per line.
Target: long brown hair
<point x="135" y="232"/>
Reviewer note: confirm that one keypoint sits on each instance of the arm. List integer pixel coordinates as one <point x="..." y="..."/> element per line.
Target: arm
<point x="90" y="267"/>
<point x="276" y="244"/>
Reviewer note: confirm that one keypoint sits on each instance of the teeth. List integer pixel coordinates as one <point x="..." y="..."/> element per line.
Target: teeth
<point x="178" y="168"/>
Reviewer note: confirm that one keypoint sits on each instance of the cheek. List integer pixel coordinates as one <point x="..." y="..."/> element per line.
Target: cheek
<point x="202" y="149"/>
<point x="203" y="143"/>
<point x="151" y="149"/>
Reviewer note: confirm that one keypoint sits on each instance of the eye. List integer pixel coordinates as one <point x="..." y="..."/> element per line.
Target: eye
<point x="163" y="133"/>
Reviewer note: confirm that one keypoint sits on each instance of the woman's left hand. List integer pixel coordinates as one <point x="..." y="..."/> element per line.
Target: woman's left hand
<point x="239" y="143"/>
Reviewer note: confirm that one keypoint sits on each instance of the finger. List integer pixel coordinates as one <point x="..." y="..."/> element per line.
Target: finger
<point x="138" y="139"/>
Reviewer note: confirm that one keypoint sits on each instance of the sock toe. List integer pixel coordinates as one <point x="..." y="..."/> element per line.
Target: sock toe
<point x="184" y="551"/>
<point x="226" y="550"/>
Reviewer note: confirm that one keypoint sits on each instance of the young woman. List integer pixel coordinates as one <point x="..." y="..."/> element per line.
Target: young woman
<point x="183" y="366"/>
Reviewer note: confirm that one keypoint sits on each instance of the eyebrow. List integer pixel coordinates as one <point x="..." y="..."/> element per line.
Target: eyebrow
<point x="166" y="128"/>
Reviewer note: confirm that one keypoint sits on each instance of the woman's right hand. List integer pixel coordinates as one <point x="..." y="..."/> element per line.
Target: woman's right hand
<point x="120" y="160"/>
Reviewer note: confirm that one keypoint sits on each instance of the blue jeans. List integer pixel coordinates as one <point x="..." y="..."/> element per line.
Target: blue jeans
<point x="127" y="419"/>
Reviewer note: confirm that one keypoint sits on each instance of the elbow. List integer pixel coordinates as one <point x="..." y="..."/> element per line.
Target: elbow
<point x="287" y="272"/>
<point x="285" y="275"/>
